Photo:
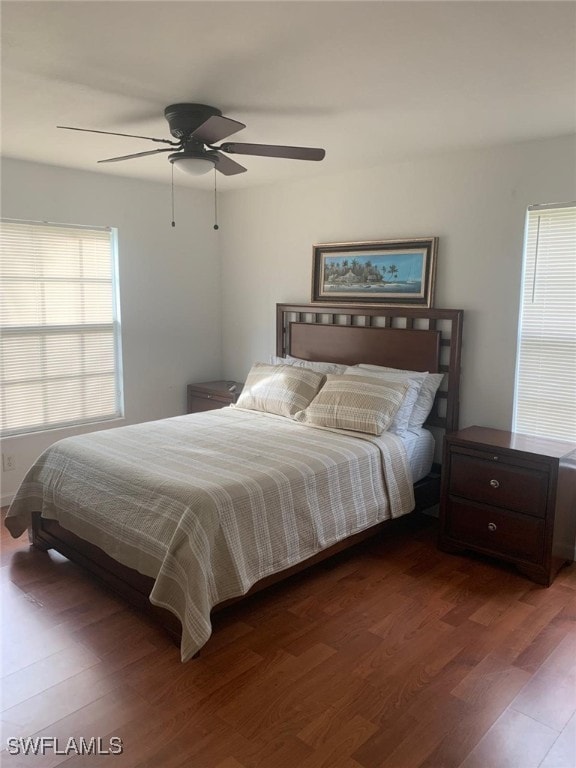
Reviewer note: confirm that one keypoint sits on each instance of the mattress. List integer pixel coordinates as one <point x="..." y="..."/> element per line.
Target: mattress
<point x="420" y="446"/>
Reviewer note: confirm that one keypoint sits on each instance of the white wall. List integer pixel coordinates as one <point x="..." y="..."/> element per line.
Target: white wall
<point x="475" y="201"/>
<point x="169" y="285"/>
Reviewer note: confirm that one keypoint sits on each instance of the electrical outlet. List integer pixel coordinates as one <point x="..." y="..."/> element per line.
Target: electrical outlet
<point x="8" y="462"/>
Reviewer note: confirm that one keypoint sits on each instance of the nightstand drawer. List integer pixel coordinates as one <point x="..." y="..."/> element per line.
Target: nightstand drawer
<point x="496" y="531"/>
<point x="500" y="484"/>
<point x="198" y="403"/>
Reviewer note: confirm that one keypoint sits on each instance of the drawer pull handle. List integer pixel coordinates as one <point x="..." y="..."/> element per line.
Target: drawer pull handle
<point x="492" y="526"/>
<point x="494" y="483"/>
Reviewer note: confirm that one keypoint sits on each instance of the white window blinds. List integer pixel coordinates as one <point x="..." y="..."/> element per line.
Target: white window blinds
<point x="545" y="392"/>
<point x="60" y="345"/>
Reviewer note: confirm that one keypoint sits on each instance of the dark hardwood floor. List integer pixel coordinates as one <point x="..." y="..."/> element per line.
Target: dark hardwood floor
<point x="392" y="655"/>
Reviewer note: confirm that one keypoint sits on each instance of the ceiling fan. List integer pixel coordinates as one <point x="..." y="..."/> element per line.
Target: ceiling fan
<point x="196" y="128"/>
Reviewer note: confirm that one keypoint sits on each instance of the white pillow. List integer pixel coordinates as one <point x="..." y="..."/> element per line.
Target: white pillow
<point x="401" y="420"/>
<point x="425" y="400"/>
<point x="313" y="365"/>
<point x="280" y="389"/>
<point x="357" y="403"/>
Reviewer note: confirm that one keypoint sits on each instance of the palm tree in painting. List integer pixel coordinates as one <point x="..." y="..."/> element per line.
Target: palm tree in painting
<point x="393" y="271"/>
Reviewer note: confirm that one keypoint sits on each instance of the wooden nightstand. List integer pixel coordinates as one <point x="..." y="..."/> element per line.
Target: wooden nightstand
<point x="510" y="496"/>
<point x="208" y="395"/>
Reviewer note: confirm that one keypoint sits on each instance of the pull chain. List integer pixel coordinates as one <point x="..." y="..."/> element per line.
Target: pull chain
<point x="173" y="222"/>
<point x="215" y="203"/>
<point x="215" y="200"/>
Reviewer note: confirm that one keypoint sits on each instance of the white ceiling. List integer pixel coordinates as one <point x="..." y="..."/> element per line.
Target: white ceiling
<point x="370" y="82"/>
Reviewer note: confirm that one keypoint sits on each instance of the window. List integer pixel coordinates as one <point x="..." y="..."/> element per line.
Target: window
<point x="60" y="362"/>
<point x="545" y="392"/>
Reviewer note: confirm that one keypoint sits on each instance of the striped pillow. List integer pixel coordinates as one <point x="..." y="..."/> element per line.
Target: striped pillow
<point x="401" y="420"/>
<point x="280" y="389"/>
<point x="425" y="400"/>
<point x="360" y="404"/>
<point x="319" y="367"/>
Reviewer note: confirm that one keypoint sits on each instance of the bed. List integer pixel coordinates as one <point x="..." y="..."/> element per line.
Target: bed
<point x="184" y="515"/>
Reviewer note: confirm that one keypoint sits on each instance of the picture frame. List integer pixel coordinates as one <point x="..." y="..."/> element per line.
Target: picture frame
<point x="387" y="272"/>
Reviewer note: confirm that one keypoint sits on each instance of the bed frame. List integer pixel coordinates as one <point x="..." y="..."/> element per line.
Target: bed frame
<point x="413" y="339"/>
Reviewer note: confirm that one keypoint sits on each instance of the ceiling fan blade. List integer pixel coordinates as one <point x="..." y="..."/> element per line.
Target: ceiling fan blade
<point x="111" y="133"/>
<point x="217" y="128"/>
<point x="227" y="166"/>
<point x="138" y="154"/>
<point x="273" y="150"/>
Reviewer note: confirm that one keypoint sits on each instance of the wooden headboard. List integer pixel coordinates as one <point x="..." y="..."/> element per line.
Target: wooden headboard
<point x="399" y="337"/>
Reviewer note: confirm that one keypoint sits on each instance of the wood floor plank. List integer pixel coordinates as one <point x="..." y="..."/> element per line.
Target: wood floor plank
<point x="272" y="697"/>
<point x="480" y="714"/>
<point x="230" y="762"/>
<point x="278" y="750"/>
<point x="106" y="716"/>
<point x="335" y="740"/>
<point x="514" y="741"/>
<point x="56" y="702"/>
<point x="44" y="673"/>
<point x="161" y="738"/>
<point x="426" y="731"/>
<point x="563" y="751"/>
<point x="541" y="646"/>
<point x="492" y="674"/>
<point x="548" y="697"/>
<point x="562" y="660"/>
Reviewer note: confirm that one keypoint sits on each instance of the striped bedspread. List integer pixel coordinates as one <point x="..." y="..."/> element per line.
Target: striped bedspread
<point x="210" y="503"/>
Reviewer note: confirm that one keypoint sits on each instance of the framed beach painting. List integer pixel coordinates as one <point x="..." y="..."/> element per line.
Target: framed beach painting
<point x="390" y="272"/>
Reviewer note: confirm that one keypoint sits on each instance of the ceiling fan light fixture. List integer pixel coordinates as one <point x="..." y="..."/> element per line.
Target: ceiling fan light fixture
<point x="194" y="165"/>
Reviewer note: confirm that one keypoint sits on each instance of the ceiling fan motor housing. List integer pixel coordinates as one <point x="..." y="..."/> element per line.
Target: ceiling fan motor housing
<point x="184" y="119"/>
